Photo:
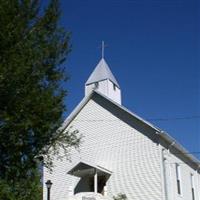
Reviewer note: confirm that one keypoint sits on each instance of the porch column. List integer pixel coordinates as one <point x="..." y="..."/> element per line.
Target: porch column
<point x="71" y="191"/>
<point x="105" y="191"/>
<point x="95" y="181"/>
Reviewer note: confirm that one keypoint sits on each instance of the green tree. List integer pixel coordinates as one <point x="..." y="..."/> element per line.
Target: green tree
<point x="33" y="47"/>
<point x="22" y="189"/>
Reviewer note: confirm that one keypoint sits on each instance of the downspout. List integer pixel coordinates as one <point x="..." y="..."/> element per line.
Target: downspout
<point x="166" y="196"/>
<point x="171" y="190"/>
<point x="172" y="144"/>
<point x="163" y="175"/>
<point x="198" y="182"/>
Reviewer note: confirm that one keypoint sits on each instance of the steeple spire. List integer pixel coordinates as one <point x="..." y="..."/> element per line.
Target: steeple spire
<point x="100" y="73"/>
<point x="103" y="81"/>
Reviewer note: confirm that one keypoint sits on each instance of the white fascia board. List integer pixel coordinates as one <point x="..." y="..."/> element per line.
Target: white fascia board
<point x="163" y="135"/>
<point x="180" y="148"/>
<point x="76" y="110"/>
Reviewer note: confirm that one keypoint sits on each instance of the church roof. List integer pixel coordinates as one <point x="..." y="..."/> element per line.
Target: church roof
<point x="158" y="132"/>
<point x="102" y="72"/>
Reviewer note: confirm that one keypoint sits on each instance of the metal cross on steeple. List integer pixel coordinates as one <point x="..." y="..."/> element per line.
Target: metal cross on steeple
<point x="102" y="49"/>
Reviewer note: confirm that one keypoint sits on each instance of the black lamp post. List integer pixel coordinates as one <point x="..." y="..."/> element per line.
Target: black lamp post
<point x="48" y="184"/>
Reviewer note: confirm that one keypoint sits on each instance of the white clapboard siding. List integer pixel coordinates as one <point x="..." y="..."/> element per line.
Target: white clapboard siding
<point x="185" y="172"/>
<point x="133" y="158"/>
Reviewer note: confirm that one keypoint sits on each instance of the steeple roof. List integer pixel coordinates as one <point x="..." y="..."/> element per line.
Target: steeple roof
<point x="102" y="72"/>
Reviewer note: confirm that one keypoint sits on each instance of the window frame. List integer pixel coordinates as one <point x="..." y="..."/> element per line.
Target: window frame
<point x="114" y="87"/>
<point x="178" y="179"/>
<point x="192" y="186"/>
<point x="96" y="85"/>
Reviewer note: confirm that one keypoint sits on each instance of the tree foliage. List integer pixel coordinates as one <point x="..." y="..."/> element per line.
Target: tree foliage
<point x="23" y="189"/>
<point x="33" y="47"/>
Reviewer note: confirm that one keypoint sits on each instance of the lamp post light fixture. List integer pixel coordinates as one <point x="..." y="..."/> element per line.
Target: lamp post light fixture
<point x="48" y="184"/>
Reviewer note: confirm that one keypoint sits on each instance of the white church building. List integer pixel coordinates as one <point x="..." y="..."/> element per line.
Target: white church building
<point x="120" y="153"/>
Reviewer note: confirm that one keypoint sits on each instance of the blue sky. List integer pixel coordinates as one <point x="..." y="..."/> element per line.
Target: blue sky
<point x="153" y="51"/>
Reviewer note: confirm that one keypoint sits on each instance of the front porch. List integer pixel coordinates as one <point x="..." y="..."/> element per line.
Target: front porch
<point x="93" y="179"/>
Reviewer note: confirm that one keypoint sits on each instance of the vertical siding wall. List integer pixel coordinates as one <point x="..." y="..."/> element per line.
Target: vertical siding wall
<point x="109" y="142"/>
<point x="185" y="172"/>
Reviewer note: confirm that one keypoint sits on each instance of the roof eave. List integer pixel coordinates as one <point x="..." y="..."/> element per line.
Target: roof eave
<point x="92" y="82"/>
<point x="163" y="135"/>
<point x="180" y="148"/>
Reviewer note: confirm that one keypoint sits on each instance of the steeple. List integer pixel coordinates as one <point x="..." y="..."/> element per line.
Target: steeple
<point x="103" y="81"/>
<point x="100" y="73"/>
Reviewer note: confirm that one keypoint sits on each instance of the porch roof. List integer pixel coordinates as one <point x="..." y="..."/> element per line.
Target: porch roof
<point x="82" y="169"/>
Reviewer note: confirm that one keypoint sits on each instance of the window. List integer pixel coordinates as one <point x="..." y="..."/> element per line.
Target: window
<point x="192" y="186"/>
<point x="178" y="179"/>
<point x="96" y="85"/>
<point x="114" y="86"/>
